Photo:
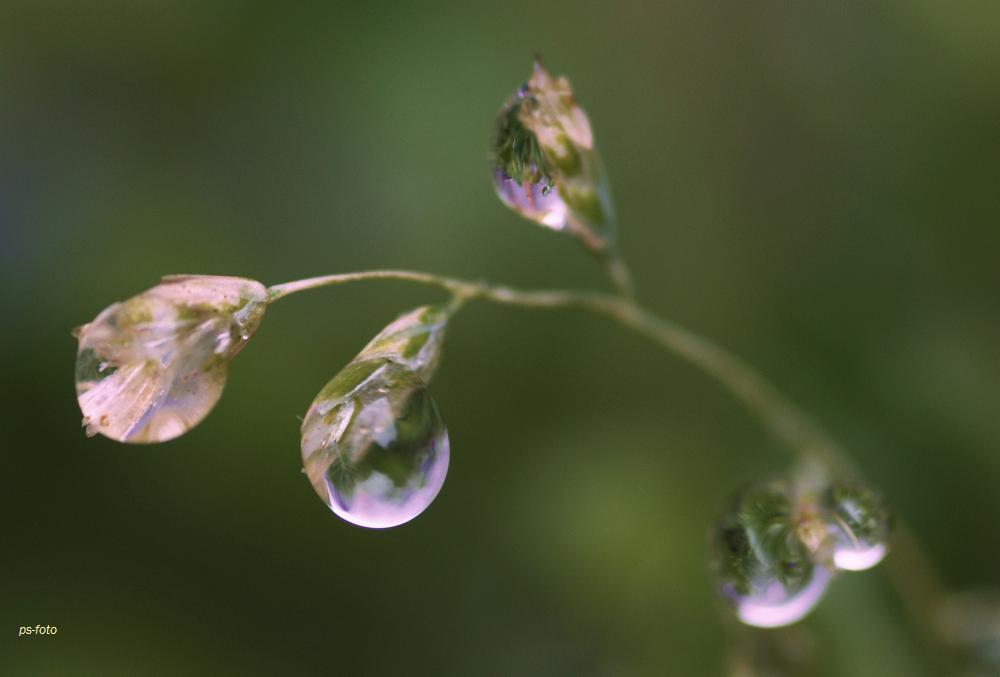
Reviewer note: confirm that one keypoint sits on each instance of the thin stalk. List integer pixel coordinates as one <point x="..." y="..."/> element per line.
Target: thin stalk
<point x="778" y="413"/>
<point x="620" y="275"/>
<point x="819" y="452"/>
<point x="920" y="590"/>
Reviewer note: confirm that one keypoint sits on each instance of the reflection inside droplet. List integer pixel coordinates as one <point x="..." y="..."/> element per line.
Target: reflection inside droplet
<point x="850" y="558"/>
<point x="772" y="607"/>
<point x="379" y="455"/>
<point x="858" y="523"/>
<point x="150" y="368"/>
<point x="539" y="201"/>
<point x="764" y="570"/>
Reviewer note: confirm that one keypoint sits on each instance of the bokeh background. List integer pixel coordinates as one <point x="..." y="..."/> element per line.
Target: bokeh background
<point x="813" y="184"/>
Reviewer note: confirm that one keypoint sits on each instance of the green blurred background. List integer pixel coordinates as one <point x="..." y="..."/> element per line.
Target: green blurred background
<point x="814" y="184"/>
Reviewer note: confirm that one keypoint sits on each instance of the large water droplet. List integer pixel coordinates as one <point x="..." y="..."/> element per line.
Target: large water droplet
<point x="764" y="570"/>
<point x="379" y="455"/>
<point x="859" y="525"/>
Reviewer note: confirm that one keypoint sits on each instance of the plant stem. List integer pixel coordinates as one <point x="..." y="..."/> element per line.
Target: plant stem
<point x="621" y="276"/>
<point x="780" y="415"/>
<point x="786" y="421"/>
<point x="920" y="590"/>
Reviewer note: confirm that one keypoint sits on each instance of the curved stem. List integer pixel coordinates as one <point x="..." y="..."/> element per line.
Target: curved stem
<point x="781" y="416"/>
<point x="778" y="413"/>
<point x="920" y="589"/>
<point x="784" y="420"/>
<point x="621" y="276"/>
<point x="278" y="291"/>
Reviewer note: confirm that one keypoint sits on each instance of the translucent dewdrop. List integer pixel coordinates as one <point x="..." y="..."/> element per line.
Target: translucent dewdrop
<point x="764" y="572"/>
<point x="536" y="199"/>
<point x="858" y="524"/>
<point x="151" y="368"/>
<point x="774" y="608"/>
<point x="521" y="173"/>
<point x="374" y="446"/>
<point x="545" y="164"/>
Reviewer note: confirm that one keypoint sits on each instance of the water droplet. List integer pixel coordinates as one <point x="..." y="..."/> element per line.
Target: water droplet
<point x="150" y="368"/>
<point x="773" y="607"/>
<point x="764" y="571"/>
<point x="545" y="165"/>
<point x="859" y="524"/>
<point x="379" y="455"/>
<point x="535" y="200"/>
